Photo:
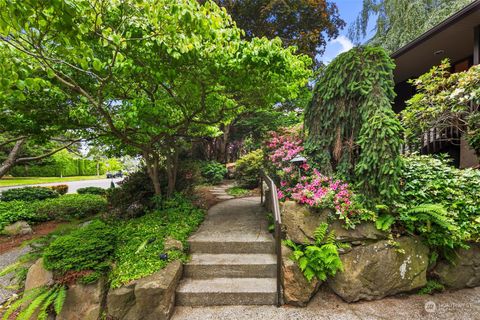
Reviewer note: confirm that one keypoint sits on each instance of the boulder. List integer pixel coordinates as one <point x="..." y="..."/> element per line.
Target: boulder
<point x="172" y="244"/>
<point x="38" y="276"/>
<point x="297" y="290"/>
<point x="84" y="302"/>
<point x="300" y="222"/>
<point x="463" y="272"/>
<point x="18" y="228"/>
<point x="148" y="298"/>
<point x="378" y="270"/>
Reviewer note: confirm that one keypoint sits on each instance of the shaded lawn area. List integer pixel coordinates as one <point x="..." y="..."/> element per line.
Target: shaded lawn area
<point x="20" y="181"/>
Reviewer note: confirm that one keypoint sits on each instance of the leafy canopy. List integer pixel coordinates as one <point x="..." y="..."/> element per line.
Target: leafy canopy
<point x="145" y="74"/>
<point x="445" y="100"/>
<point x="305" y="24"/>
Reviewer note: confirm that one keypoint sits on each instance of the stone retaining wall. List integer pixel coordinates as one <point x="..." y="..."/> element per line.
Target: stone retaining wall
<point x="374" y="267"/>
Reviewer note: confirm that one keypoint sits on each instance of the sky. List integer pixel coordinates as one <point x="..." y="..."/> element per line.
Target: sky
<point x="348" y="10"/>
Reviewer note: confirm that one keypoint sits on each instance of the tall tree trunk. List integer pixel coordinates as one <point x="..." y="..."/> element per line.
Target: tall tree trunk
<point x="172" y="168"/>
<point x="12" y="157"/>
<point x="151" y="160"/>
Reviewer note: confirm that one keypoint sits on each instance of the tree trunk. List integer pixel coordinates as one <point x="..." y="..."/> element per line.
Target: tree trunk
<point x="151" y="160"/>
<point x="98" y="168"/>
<point x="12" y="157"/>
<point x="172" y="168"/>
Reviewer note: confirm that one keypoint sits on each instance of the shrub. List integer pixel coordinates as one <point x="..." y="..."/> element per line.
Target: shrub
<point x="237" y="191"/>
<point x="140" y="241"/>
<point x="61" y="189"/>
<point x="92" y="190"/>
<point x="88" y="248"/>
<point x="431" y="180"/>
<point x="189" y="174"/>
<point x="13" y="211"/>
<point x="71" y="206"/>
<point x="213" y="172"/>
<point x="136" y="188"/>
<point x="247" y="169"/>
<point x="28" y="194"/>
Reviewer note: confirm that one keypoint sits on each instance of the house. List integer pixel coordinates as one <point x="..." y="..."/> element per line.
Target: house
<point x="456" y="38"/>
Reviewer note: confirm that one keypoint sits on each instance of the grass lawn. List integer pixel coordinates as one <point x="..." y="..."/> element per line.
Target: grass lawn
<point x="18" y="181"/>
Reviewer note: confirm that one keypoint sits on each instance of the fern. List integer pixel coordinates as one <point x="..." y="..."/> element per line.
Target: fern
<point x="34" y="305"/>
<point x="320" y="233"/>
<point x="27" y="296"/>
<point x="60" y="300"/>
<point x="38" y="299"/>
<point x="321" y="259"/>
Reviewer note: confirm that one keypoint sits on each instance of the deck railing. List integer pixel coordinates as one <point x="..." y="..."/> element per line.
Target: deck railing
<point x="274" y="207"/>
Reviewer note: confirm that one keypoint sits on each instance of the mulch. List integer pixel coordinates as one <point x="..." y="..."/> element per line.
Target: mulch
<point x="7" y="243"/>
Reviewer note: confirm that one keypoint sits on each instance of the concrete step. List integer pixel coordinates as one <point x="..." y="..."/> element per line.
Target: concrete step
<point x="226" y="291"/>
<point x="262" y="245"/>
<point x="204" y="265"/>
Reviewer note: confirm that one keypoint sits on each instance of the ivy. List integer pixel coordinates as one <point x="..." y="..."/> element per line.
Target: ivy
<point x="352" y="130"/>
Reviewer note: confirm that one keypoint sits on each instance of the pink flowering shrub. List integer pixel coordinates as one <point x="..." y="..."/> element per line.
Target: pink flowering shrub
<point x="305" y="184"/>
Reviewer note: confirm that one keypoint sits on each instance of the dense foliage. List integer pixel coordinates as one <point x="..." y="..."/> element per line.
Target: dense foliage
<point x="140" y="241"/>
<point x="352" y="131"/>
<point x="321" y="259"/>
<point x="88" y="248"/>
<point x="213" y="172"/>
<point x="28" y="194"/>
<point x="13" y="211"/>
<point x="428" y="180"/>
<point x="399" y="22"/>
<point x="148" y="75"/>
<point x="247" y="169"/>
<point x="305" y="24"/>
<point x="71" y="206"/>
<point x="92" y="190"/>
<point x="445" y="100"/>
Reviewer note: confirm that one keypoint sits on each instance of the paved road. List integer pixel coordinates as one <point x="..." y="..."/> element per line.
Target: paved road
<point x="73" y="186"/>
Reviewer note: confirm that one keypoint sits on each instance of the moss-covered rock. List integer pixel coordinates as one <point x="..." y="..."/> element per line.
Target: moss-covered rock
<point x="297" y="290"/>
<point x="299" y="223"/>
<point x="463" y="272"/>
<point x="378" y="270"/>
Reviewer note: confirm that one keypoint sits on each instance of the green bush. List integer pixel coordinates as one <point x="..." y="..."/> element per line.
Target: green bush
<point x="140" y="241"/>
<point x="247" y="169"/>
<point x="88" y="248"/>
<point x="72" y="206"/>
<point x="14" y="211"/>
<point x="430" y="180"/>
<point x="92" y="190"/>
<point x="136" y="188"/>
<point x="213" y="172"/>
<point x="28" y="194"/>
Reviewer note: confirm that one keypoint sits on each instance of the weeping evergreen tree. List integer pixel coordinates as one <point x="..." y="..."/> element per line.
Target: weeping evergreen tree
<point x="397" y="22"/>
<point x="352" y="131"/>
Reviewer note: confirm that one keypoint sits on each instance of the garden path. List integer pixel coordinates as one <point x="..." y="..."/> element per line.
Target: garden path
<point x="232" y="260"/>
<point x="7" y="259"/>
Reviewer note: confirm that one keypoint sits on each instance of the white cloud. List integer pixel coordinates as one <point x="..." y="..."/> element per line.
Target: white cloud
<point x="344" y="42"/>
<point x="335" y="47"/>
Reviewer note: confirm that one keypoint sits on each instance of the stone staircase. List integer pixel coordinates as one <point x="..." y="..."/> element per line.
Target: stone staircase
<point x="232" y="258"/>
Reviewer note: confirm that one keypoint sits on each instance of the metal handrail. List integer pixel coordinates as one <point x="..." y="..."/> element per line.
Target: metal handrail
<point x="278" y="226"/>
